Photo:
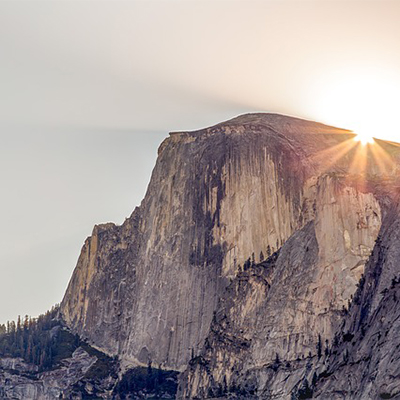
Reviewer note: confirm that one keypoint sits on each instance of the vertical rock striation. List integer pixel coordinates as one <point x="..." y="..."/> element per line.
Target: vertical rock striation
<point x="282" y="308"/>
<point x="364" y="361"/>
<point x="147" y="290"/>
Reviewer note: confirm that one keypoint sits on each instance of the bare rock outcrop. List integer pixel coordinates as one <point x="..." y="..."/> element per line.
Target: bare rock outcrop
<point x="263" y="263"/>
<point x="148" y="290"/>
<point x="365" y="359"/>
<point x="19" y="380"/>
<point x="278" y="312"/>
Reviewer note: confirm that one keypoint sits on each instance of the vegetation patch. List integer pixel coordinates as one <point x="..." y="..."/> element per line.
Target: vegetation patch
<point x="40" y="341"/>
<point x="142" y="382"/>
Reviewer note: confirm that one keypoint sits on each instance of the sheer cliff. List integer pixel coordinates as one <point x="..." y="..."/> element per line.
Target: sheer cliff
<point x="287" y="321"/>
<point x="168" y="286"/>
<point x="148" y="289"/>
<point x="364" y="360"/>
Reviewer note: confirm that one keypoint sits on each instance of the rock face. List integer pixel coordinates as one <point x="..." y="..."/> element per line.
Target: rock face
<point x="19" y="380"/>
<point x="365" y="360"/>
<point x="168" y="287"/>
<point x="282" y="308"/>
<point x="290" y="328"/>
<point x="147" y="290"/>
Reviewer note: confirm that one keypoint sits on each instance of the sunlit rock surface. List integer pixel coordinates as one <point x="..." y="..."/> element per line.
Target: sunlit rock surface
<point x="365" y="361"/>
<point x="166" y="286"/>
<point x="282" y="308"/>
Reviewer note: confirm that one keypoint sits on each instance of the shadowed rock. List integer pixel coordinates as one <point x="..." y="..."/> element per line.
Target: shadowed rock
<point x="165" y="286"/>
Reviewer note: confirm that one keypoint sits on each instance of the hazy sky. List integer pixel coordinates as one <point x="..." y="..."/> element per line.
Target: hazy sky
<point x="88" y="90"/>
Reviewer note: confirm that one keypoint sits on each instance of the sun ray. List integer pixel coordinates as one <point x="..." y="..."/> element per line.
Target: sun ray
<point x="329" y="157"/>
<point x="360" y="160"/>
<point x="382" y="158"/>
<point x="395" y="144"/>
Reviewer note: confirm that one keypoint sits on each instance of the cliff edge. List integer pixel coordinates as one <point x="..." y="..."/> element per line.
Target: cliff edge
<point x="169" y="286"/>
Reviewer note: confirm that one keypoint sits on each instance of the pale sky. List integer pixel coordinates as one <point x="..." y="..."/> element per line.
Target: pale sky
<point x="89" y="89"/>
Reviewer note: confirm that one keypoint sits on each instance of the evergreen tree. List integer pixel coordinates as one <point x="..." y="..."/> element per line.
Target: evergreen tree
<point x="305" y="392"/>
<point x="32" y="340"/>
<point x="19" y="323"/>
<point x="26" y="323"/>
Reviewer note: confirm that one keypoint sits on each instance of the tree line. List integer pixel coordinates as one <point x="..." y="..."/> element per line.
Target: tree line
<point x="251" y="261"/>
<point x="40" y="341"/>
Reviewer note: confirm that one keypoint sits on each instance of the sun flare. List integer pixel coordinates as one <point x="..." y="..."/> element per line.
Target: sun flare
<point x="364" y="139"/>
<point x="364" y="100"/>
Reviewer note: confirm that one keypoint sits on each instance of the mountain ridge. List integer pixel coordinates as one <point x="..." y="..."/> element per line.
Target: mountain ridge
<point x="181" y="284"/>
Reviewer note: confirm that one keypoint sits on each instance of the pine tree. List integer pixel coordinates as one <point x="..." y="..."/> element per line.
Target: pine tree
<point x="26" y="323"/>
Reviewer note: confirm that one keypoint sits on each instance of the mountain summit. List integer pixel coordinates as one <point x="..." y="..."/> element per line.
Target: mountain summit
<point x="258" y="265"/>
<point x="147" y="290"/>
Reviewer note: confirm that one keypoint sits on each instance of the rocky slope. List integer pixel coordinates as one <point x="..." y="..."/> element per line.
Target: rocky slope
<point x="365" y="360"/>
<point x="289" y="308"/>
<point x="283" y="328"/>
<point x="147" y="290"/>
<point x="19" y="380"/>
<point x="42" y="360"/>
<point x="169" y="285"/>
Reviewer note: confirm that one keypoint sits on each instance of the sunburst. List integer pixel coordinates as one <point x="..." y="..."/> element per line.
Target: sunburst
<point x="364" y="155"/>
<point x="364" y="139"/>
